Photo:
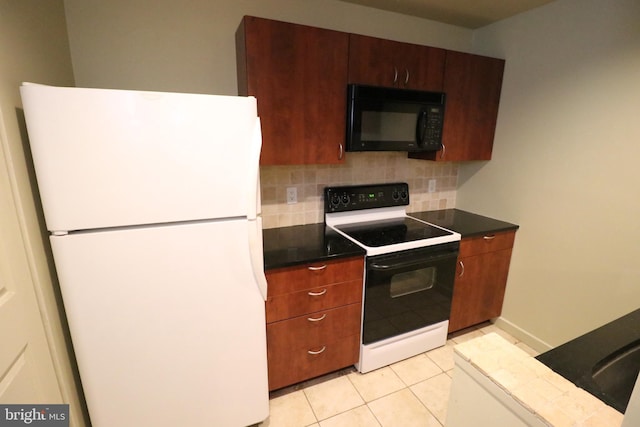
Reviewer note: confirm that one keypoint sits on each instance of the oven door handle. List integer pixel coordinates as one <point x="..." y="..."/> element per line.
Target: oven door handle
<point x="411" y="263"/>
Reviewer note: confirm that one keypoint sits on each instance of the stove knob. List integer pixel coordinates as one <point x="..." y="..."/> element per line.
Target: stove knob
<point x="345" y="199"/>
<point x="395" y="195"/>
<point x="335" y="200"/>
<point x="403" y="195"/>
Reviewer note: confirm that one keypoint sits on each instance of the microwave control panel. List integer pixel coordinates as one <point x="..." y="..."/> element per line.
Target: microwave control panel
<point x="429" y="130"/>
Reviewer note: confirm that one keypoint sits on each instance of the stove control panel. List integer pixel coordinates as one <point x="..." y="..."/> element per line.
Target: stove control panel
<point x="356" y="197"/>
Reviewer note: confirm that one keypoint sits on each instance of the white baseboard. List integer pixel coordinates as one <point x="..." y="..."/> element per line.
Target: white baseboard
<point x="522" y="335"/>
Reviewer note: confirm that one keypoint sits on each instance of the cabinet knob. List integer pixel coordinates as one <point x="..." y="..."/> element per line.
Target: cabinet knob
<point x="324" y="347"/>
<point x="317" y="319"/>
<point x="317" y="294"/>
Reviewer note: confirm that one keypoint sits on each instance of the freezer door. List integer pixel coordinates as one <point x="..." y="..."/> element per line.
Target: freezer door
<point x="167" y="323"/>
<point x="106" y="158"/>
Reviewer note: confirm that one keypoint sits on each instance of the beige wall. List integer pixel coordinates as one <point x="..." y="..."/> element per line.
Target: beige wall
<point x="190" y="46"/>
<point x="33" y="47"/>
<point x="176" y="47"/>
<point x="565" y="164"/>
<point x="564" y="152"/>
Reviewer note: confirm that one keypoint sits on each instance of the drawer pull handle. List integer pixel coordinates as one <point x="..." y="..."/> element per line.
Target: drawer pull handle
<point x="324" y="347"/>
<point x="461" y="268"/>
<point x="322" y="267"/>
<point x="317" y="294"/>
<point x="317" y="319"/>
<point x="491" y="237"/>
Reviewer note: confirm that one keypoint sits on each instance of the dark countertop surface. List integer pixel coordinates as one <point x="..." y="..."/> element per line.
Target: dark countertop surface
<point x="466" y="223"/>
<point x="576" y="359"/>
<point x="300" y="244"/>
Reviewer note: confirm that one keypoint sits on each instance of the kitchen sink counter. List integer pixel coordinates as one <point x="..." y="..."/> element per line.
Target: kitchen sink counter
<point x="578" y="359"/>
<point x="498" y="384"/>
<point x="466" y="223"/>
<point x="301" y="244"/>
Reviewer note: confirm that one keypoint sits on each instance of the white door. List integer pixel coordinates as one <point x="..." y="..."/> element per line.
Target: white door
<point x="106" y="158"/>
<point x="27" y="373"/>
<point x="167" y="324"/>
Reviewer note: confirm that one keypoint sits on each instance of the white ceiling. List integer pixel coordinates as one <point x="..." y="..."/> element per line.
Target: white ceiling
<point x="464" y="13"/>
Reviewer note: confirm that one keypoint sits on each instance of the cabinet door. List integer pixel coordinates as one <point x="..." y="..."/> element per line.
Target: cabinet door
<point x="472" y="84"/>
<point x="380" y="62"/>
<point x="372" y="61"/>
<point x="298" y="75"/>
<point x="479" y="288"/>
<point x="421" y="67"/>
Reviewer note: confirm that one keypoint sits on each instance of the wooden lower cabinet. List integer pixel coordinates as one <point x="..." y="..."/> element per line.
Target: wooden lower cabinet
<point x="483" y="267"/>
<point x="311" y="345"/>
<point x="313" y="315"/>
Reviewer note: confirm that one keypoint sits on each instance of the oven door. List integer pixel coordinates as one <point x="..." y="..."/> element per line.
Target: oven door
<point x="408" y="290"/>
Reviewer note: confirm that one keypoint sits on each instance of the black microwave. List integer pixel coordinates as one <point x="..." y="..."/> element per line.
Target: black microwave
<point x="389" y="119"/>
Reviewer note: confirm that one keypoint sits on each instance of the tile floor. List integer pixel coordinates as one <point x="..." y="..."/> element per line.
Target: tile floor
<point x="412" y="392"/>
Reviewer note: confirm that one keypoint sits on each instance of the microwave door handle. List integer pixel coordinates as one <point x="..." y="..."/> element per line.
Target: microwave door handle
<point x="421" y="129"/>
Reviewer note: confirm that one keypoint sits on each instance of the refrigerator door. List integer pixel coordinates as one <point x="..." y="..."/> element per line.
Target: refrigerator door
<point x="107" y="158"/>
<point x="167" y="324"/>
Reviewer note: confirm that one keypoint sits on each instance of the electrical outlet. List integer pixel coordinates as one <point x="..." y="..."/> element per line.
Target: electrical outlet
<point x="432" y="185"/>
<point x="292" y="195"/>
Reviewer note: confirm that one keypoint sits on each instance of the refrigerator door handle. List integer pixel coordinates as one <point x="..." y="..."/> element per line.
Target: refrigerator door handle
<point x="253" y="190"/>
<point x="256" y="254"/>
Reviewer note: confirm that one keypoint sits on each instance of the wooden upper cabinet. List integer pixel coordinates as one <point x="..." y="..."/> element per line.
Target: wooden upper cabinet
<point x="380" y="62"/>
<point x="298" y="75"/>
<point x="472" y="84"/>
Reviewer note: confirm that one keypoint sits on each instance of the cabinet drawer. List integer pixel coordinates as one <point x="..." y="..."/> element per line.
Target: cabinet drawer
<point x="295" y="304"/>
<point x="293" y="279"/>
<point x="313" y="329"/>
<point x="299" y="364"/>
<point x="487" y="243"/>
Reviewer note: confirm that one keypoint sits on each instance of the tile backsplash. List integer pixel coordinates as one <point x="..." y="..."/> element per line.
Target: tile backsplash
<point x="359" y="168"/>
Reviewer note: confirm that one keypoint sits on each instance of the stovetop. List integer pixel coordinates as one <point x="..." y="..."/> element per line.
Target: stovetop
<point x="374" y="217"/>
<point x="391" y="231"/>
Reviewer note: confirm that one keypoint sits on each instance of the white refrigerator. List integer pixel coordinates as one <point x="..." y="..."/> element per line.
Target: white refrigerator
<point x="152" y="204"/>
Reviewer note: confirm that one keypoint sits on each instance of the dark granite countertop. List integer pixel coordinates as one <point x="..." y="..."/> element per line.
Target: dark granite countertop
<point x="466" y="223"/>
<point x="300" y="244"/>
<point x="576" y="359"/>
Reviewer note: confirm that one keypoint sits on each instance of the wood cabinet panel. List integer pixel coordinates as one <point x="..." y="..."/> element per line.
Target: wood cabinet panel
<point x="313" y="315"/>
<point x="313" y="329"/>
<point x="297" y="364"/>
<point x="379" y="62"/>
<point x="298" y="75"/>
<point x="487" y="243"/>
<point x="483" y="268"/>
<point x="324" y="297"/>
<point x="479" y="288"/>
<point x="473" y="84"/>
<point x="298" y="278"/>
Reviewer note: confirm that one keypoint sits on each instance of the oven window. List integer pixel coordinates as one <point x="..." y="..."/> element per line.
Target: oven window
<point x="411" y="282"/>
<point x="407" y="291"/>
